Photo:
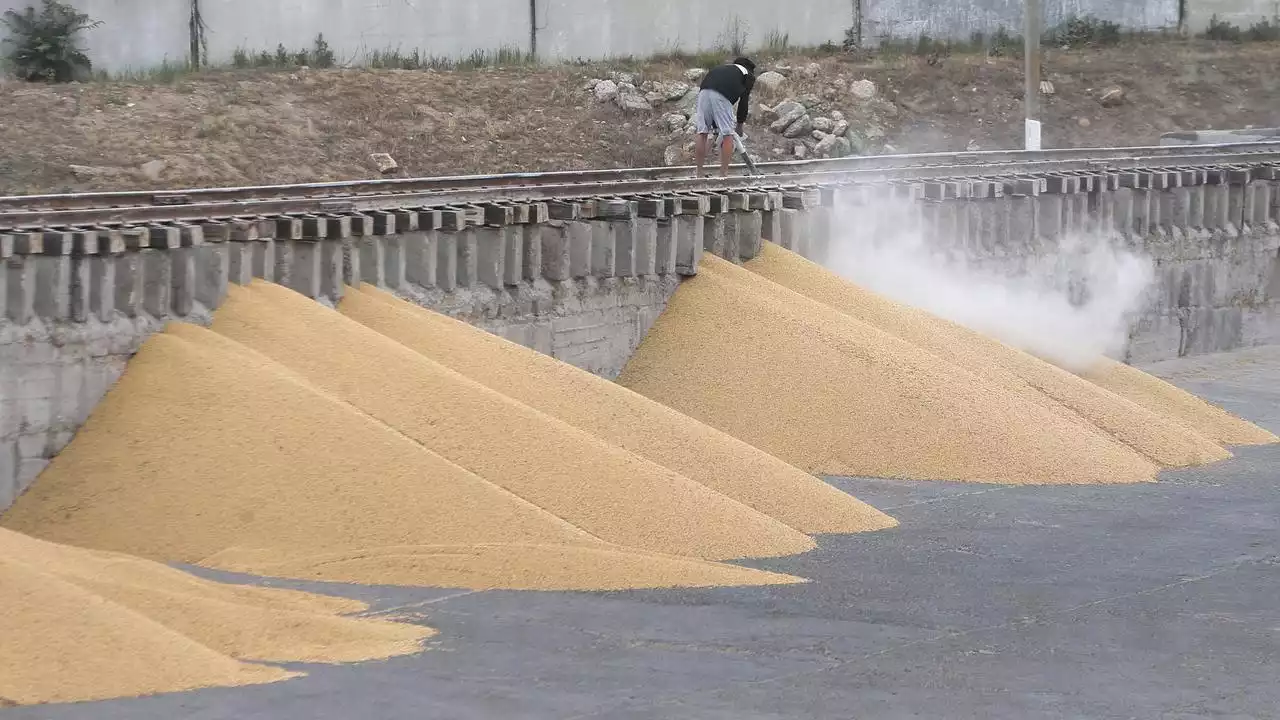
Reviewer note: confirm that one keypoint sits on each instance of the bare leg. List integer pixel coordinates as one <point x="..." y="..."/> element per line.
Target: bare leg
<point x="700" y="152"/>
<point x="726" y="152"/>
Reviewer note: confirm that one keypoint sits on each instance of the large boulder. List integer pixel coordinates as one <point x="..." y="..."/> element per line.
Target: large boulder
<point x="771" y="83"/>
<point x="605" y="90"/>
<point x="787" y="113"/>
<point x="863" y="89"/>
<point x="802" y="127"/>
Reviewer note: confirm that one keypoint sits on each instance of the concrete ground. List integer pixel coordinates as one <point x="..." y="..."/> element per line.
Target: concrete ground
<point x="1153" y="601"/>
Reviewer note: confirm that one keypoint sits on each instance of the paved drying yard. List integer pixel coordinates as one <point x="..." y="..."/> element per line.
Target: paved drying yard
<point x="1147" y="601"/>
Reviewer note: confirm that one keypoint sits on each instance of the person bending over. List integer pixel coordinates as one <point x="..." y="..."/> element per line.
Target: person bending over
<point x="721" y="88"/>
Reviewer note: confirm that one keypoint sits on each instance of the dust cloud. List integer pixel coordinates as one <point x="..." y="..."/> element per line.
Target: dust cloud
<point x="1068" y="302"/>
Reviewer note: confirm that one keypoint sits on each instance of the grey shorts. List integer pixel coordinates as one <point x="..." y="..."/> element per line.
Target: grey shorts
<point x="715" y="113"/>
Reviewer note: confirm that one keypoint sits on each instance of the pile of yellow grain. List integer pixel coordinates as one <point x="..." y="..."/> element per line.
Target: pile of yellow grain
<point x="618" y="415"/>
<point x="834" y="395"/>
<point x="1171" y="401"/>
<point x="86" y="625"/>
<point x="610" y="493"/>
<point x="208" y="452"/>
<point x="1160" y="438"/>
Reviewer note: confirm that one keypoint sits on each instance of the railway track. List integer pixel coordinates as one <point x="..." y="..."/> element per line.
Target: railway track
<point x="936" y="176"/>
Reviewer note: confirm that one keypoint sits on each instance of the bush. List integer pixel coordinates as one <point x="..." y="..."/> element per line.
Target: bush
<point x="1224" y="31"/>
<point x="1079" y="32"/>
<point x="45" y="46"/>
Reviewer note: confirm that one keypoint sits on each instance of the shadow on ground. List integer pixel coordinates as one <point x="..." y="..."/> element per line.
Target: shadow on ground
<point x="987" y="602"/>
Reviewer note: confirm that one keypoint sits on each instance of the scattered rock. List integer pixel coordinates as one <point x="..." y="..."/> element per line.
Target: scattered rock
<point x="605" y="91"/>
<point x="771" y="82"/>
<point x="787" y="112"/>
<point x="1112" y="96"/>
<point x="800" y="152"/>
<point x="632" y="100"/>
<point x="694" y="75"/>
<point x="841" y="128"/>
<point x="800" y="128"/>
<point x="384" y="162"/>
<point x="673" y="91"/>
<point x="623" y="78"/>
<point x="844" y="148"/>
<point x="973" y="146"/>
<point x="825" y="125"/>
<point x="673" y="155"/>
<point x="811" y="71"/>
<point x="1083" y="122"/>
<point x="654" y="98"/>
<point x="1046" y="88"/>
<point x="152" y="170"/>
<point x="812" y="103"/>
<point x="784" y="70"/>
<point x="674" y="121"/>
<point x="85" y="172"/>
<point x="863" y="89"/>
<point x="827" y="146"/>
<point x="837" y="116"/>
<point x="591" y="84"/>
<point x="766" y="113"/>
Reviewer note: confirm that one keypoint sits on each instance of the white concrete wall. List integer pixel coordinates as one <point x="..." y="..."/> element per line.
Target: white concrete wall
<point x="134" y="34"/>
<point x="355" y="28"/>
<point x="949" y="19"/>
<point x="572" y="29"/>
<point x="1241" y="13"/>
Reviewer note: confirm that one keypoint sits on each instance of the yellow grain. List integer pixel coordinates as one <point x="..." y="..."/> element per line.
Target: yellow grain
<point x="603" y="489"/>
<point x="206" y="448"/>
<point x="1163" y="440"/>
<point x="1167" y="399"/>
<point x="833" y="395"/>
<point x="618" y="415"/>
<point x="83" y="625"/>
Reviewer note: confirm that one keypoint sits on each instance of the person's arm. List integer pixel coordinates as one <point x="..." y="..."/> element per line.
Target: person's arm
<point x="744" y="102"/>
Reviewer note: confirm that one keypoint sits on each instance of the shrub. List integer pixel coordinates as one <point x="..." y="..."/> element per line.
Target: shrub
<point x="1224" y="31"/>
<point x="44" y="46"/>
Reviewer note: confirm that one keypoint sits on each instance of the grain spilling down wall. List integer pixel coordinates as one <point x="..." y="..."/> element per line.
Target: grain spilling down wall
<point x="582" y="282"/>
<point x="585" y="280"/>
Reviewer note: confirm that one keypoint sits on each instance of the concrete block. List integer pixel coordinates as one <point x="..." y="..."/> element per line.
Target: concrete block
<point x="183" y="297"/>
<point x="468" y="259"/>
<point x="531" y="245"/>
<point x="1048" y="217"/>
<point x="666" y="245"/>
<point x="713" y="234"/>
<point x="491" y="256"/>
<point x="80" y="289"/>
<point x="1022" y="222"/>
<point x="129" y="283"/>
<point x="789" y="229"/>
<point x="157" y="288"/>
<point x="213" y="273"/>
<point x="750" y="234"/>
<point x="20" y="288"/>
<point x="556" y="243"/>
<point x="604" y="248"/>
<point x="624" y="233"/>
<point x="351" y="274"/>
<point x="306" y="276"/>
<point x="331" y="268"/>
<point x="421" y="258"/>
<point x="53" y="286"/>
<point x="264" y="259"/>
<point x="239" y="263"/>
<point x="513" y="254"/>
<point x="771" y="226"/>
<point x="730" y="248"/>
<point x="447" y="261"/>
<point x="372" y="261"/>
<point x="393" y="262"/>
<point x="581" y="238"/>
<point x="690" y="236"/>
<point x="8" y="473"/>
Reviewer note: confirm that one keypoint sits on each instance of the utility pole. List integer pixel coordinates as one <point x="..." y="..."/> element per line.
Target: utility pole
<point x="1031" y="49"/>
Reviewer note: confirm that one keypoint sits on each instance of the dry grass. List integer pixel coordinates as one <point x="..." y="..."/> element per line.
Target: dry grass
<point x="262" y="126"/>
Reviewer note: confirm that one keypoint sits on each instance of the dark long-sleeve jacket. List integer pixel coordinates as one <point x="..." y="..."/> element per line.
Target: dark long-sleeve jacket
<point x="731" y="82"/>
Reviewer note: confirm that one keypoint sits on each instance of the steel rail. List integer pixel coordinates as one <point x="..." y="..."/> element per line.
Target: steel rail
<point x="198" y="196"/>
<point x="461" y="196"/>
